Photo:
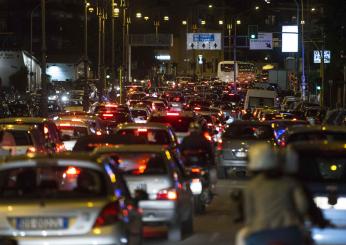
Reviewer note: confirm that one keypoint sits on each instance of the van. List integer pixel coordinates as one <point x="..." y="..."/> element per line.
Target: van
<point x="259" y="98"/>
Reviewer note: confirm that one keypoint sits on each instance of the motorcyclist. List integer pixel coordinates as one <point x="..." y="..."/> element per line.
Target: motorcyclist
<point x="275" y="206"/>
<point x="196" y="141"/>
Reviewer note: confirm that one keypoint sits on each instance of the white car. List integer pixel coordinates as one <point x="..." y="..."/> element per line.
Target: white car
<point x="66" y="199"/>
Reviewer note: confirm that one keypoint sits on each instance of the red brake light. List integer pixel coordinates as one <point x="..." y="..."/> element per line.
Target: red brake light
<point x="196" y="170"/>
<point x="31" y="149"/>
<point x="207" y="136"/>
<point x="98" y="133"/>
<point x="112" y="105"/>
<point x="107" y="115"/>
<point x="167" y="194"/>
<point x="143" y="130"/>
<point x="108" y="215"/>
<point x="72" y="171"/>
<point x="172" y="114"/>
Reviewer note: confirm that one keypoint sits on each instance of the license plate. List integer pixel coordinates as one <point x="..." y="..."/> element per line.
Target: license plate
<point x="240" y="154"/>
<point x="141" y="187"/>
<point x="41" y="223"/>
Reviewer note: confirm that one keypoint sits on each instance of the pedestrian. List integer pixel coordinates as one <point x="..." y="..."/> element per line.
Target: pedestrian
<point x="274" y="205"/>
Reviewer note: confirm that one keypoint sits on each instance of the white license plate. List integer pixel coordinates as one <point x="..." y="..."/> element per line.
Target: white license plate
<point x="240" y="154"/>
<point x="41" y="223"/>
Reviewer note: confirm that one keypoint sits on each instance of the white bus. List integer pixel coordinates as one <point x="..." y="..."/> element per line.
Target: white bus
<point x="245" y="71"/>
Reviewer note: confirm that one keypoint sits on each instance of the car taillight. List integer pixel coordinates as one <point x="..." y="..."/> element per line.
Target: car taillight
<point x="172" y="114"/>
<point x="207" y="136"/>
<point x="196" y="170"/>
<point x="31" y="149"/>
<point x="107" y="115"/>
<point x="60" y="148"/>
<point x="109" y="215"/>
<point x="167" y="194"/>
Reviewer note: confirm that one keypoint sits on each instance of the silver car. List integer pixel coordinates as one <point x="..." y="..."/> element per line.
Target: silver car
<point x="238" y="137"/>
<point x="66" y="199"/>
<point x="153" y="168"/>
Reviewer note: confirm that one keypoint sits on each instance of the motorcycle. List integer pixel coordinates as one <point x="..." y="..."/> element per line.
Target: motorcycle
<point x="203" y="178"/>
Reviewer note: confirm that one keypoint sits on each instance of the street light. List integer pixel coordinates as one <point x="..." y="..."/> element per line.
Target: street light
<point x="238" y="22"/>
<point x="203" y="22"/>
<point x="257" y="8"/>
<point x="210" y="6"/>
<point x="184" y="22"/>
<point x="220" y="22"/>
<point x="166" y="18"/>
<point x="146" y="18"/>
<point x="138" y="15"/>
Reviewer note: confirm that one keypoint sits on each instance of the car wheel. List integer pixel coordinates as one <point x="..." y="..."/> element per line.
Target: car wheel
<point x="175" y="232"/>
<point x="199" y="205"/>
<point x="188" y="224"/>
<point x="221" y="173"/>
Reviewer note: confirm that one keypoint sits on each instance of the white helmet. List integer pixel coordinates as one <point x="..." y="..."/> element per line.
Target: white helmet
<point x="291" y="161"/>
<point x="262" y="157"/>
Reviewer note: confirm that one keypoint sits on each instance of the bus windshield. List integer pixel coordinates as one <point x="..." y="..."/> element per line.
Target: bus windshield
<point x="227" y="67"/>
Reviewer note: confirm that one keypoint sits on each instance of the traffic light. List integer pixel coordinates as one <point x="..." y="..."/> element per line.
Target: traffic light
<point x="253" y="31"/>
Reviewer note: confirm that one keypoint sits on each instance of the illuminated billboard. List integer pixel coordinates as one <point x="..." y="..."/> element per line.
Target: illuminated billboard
<point x="289" y="39"/>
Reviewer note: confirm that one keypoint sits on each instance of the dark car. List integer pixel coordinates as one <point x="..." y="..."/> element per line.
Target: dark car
<point x="322" y="167"/>
<point x="232" y="151"/>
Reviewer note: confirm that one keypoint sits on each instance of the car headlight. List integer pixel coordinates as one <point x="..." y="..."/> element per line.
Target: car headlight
<point x="64" y="98"/>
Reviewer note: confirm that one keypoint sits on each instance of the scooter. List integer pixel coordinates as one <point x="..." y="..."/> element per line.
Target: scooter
<point x="203" y="178"/>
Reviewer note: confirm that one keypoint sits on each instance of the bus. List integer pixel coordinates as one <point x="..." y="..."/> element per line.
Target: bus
<point x="245" y="71"/>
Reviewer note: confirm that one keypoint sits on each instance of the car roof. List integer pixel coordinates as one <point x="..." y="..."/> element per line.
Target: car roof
<point x="143" y="125"/>
<point x="315" y="128"/>
<point x="28" y="120"/>
<point x="16" y="127"/>
<point x="249" y="123"/>
<point x="132" y="148"/>
<point x="181" y="113"/>
<point x="319" y="147"/>
<point x="22" y="160"/>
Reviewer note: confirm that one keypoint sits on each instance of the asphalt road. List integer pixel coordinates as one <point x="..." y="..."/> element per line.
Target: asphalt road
<point x="214" y="227"/>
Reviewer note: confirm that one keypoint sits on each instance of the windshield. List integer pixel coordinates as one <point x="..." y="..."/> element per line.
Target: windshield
<point x="179" y="124"/>
<point x="327" y="168"/>
<point x="51" y="182"/>
<point x="227" y="67"/>
<point x="139" y="113"/>
<point x="142" y="163"/>
<point x="73" y="132"/>
<point x="15" y="138"/>
<point x="249" y="132"/>
<point x="261" y="102"/>
<point x="151" y="136"/>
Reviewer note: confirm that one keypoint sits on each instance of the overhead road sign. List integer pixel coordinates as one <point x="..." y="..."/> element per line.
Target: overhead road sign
<point x="204" y="41"/>
<point x="264" y="41"/>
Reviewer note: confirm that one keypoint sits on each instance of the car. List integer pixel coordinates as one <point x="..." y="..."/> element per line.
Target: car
<point x="180" y="121"/>
<point x="71" y="130"/>
<point x="321" y="167"/>
<point x="51" y="133"/>
<point x="153" y="133"/>
<point x="280" y="126"/>
<point x="67" y="199"/>
<point x="21" y="139"/>
<point x="139" y="114"/>
<point x="312" y="133"/>
<point x="153" y="169"/>
<point x="232" y="151"/>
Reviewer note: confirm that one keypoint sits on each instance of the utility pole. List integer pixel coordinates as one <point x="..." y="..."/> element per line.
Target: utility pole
<point x="86" y="90"/>
<point x="229" y="28"/>
<point x="123" y="6"/>
<point x="44" y="95"/>
<point x="113" y="42"/>
<point x="101" y="46"/>
<point x="235" y="54"/>
<point x="304" y="87"/>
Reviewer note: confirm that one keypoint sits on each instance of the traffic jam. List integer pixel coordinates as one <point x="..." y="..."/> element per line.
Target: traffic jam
<point x="103" y="176"/>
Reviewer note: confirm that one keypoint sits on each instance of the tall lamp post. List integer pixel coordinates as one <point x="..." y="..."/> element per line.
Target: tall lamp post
<point x="44" y="95"/>
<point x="85" y="60"/>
